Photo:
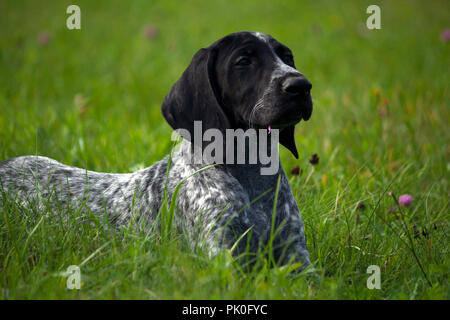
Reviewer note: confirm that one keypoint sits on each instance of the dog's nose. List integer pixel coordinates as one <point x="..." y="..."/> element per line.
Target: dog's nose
<point x="297" y="86"/>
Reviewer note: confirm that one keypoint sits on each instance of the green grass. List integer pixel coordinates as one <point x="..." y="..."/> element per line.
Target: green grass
<point x="91" y="98"/>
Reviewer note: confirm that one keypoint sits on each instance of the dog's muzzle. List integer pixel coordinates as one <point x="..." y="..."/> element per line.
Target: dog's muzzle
<point x="299" y="89"/>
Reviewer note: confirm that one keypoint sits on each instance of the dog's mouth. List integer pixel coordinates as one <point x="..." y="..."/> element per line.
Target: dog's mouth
<point x="292" y="116"/>
<point x="304" y="108"/>
<point x="284" y="124"/>
<point x="307" y="112"/>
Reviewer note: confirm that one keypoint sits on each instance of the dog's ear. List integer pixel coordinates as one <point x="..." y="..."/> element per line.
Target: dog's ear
<point x="193" y="97"/>
<point x="287" y="140"/>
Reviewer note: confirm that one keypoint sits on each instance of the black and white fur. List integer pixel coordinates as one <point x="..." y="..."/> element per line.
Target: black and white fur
<point x="244" y="80"/>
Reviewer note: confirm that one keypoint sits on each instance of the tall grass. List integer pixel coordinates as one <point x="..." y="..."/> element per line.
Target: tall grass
<point x="91" y="98"/>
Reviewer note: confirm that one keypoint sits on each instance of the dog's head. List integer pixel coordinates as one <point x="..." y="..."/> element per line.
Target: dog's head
<point x="244" y="80"/>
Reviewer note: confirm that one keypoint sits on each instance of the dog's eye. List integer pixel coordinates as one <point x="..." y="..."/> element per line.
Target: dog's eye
<point x="243" y="62"/>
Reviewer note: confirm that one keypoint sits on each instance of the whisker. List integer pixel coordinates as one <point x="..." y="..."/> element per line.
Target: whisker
<point x="258" y="105"/>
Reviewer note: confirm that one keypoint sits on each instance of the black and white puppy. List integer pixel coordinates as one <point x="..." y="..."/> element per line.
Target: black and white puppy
<point x="244" y="80"/>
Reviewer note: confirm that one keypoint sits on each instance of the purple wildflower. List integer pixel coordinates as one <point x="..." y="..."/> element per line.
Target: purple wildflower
<point x="150" y="32"/>
<point x="43" y="38"/>
<point x="405" y="200"/>
<point x="445" y="35"/>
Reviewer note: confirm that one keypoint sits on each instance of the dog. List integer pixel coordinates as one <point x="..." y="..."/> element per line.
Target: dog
<point x="243" y="80"/>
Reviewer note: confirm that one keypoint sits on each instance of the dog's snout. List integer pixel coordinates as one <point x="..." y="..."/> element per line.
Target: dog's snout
<point x="297" y="86"/>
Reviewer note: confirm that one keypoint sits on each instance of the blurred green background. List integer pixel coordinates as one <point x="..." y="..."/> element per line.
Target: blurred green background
<point x="91" y="98"/>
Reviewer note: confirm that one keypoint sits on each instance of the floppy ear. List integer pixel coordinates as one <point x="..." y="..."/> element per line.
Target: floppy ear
<point x="287" y="140"/>
<point x="193" y="98"/>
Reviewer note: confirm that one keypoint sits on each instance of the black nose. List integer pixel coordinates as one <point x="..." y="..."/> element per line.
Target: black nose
<point x="297" y="86"/>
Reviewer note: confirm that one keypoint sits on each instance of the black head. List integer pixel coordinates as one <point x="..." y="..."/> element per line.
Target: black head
<point x="244" y="80"/>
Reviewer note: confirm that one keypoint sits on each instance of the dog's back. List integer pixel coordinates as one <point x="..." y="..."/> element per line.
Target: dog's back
<point x="41" y="180"/>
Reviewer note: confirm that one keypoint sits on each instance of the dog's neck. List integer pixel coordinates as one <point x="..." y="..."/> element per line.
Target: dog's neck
<point x="251" y="179"/>
<point x="250" y="175"/>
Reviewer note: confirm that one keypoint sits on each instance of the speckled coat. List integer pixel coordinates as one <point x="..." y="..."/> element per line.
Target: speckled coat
<point x="215" y="205"/>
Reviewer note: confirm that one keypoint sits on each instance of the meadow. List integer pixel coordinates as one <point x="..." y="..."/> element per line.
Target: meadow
<point x="91" y="98"/>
